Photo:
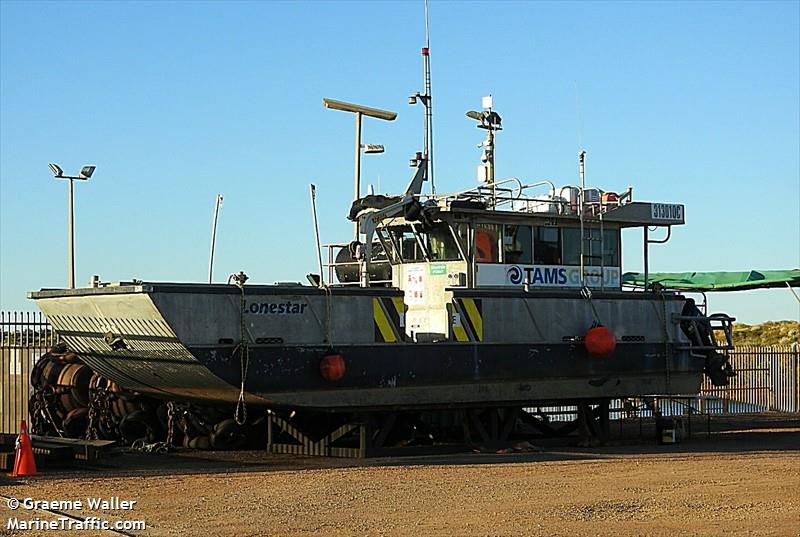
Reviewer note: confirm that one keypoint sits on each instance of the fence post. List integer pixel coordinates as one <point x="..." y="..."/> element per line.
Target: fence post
<point x="796" y="377"/>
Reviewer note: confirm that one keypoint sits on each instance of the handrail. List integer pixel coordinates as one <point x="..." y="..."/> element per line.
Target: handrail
<point x="479" y="190"/>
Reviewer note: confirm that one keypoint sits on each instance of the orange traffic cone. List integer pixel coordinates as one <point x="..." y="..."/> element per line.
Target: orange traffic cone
<point x="24" y="464"/>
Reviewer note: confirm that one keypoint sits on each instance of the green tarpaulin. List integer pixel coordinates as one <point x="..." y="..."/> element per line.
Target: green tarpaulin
<point x="717" y="281"/>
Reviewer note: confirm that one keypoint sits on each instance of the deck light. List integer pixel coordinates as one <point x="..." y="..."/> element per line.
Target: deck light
<point x="359" y="111"/>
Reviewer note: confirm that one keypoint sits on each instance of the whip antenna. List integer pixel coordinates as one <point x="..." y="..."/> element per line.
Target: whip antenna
<point x="428" y="104"/>
<point x="425" y="98"/>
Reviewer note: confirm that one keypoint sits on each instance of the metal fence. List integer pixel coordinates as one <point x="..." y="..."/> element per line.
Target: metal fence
<point x="24" y="337"/>
<point x="768" y="378"/>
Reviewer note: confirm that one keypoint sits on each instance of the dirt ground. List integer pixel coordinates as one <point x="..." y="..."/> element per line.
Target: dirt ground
<point x="742" y="480"/>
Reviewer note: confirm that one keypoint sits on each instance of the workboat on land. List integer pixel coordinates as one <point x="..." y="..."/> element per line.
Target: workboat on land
<point x="506" y="295"/>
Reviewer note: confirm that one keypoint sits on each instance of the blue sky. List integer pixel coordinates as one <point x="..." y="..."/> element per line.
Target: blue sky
<point x="175" y="102"/>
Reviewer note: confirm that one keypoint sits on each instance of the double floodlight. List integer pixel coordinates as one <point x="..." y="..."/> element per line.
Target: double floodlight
<point x="86" y="172"/>
<point x="358" y="109"/>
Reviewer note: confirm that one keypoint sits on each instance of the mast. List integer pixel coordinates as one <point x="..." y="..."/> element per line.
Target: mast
<point x="425" y="98"/>
<point x="426" y="60"/>
<point x="581" y="210"/>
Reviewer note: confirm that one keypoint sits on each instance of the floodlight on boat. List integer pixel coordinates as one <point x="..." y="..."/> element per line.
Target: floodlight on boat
<point x="359" y="109"/>
<point x="371" y="149"/>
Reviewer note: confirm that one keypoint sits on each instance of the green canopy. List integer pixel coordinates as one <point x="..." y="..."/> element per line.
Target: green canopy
<point x="717" y="281"/>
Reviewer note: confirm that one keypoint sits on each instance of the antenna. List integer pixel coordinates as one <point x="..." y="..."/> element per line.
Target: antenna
<point x="313" y="189"/>
<point x="426" y="100"/>
<point x="429" y="105"/>
<point x="578" y="117"/>
<point x="582" y="192"/>
<point x="581" y="210"/>
<point x="217" y="205"/>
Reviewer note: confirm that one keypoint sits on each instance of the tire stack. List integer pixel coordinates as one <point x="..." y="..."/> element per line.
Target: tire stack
<point x="69" y="399"/>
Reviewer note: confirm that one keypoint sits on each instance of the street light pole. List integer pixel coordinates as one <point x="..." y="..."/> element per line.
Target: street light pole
<point x="71" y="210"/>
<point x="85" y="174"/>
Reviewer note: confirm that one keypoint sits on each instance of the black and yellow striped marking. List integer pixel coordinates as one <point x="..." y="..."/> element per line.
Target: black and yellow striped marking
<point x="466" y="319"/>
<point x="388" y="314"/>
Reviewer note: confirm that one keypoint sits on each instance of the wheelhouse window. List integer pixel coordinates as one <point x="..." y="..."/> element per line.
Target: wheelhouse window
<point x="596" y="251"/>
<point x="547" y="246"/>
<point x="442" y="244"/>
<point x="403" y="239"/>
<point x="517" y="244"/>
<point x="407" y="246"/>
<point x="487" y="241"/>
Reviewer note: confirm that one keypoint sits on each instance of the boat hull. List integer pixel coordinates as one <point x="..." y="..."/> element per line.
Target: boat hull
<point x="182" y="342"/>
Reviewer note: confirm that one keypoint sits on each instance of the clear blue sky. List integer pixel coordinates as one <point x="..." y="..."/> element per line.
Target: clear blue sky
<point x="174" y="102"/>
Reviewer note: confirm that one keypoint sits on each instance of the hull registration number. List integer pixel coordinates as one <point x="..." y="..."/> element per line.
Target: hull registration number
<point x="667" y="211"/>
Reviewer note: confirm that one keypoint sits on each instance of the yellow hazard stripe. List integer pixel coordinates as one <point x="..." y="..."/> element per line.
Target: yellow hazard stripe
<point x="399" y="305"/>
<point x="384" y="325"/>
<point x="474" y="316"/>
<point x="459" y="332"/>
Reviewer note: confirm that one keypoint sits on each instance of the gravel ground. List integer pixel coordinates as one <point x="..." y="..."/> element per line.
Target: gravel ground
<point x="743" y="480"/>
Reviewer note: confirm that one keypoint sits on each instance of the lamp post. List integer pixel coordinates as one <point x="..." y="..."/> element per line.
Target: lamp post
<point x="359" y="111"/>
<point x="85" y="174"/>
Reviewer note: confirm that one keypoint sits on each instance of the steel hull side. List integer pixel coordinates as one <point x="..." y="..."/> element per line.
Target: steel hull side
<point x="154" y="362"/>
<point x="453" y="374"/>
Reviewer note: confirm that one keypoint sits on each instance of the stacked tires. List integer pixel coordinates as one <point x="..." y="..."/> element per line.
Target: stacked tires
<point x="71" y="400"/>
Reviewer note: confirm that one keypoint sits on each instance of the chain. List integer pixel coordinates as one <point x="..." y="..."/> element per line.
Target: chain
<point x="91" y="427"/>
<point x="156" y="447"/>
<point x="46" y="410"/>
<point x="240" y="414"/>
<point x="586" y="293"/>
<point x="170" y="422"/>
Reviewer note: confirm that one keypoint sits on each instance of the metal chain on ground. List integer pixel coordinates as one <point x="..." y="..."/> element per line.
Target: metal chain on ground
<point x="142" y="446"/>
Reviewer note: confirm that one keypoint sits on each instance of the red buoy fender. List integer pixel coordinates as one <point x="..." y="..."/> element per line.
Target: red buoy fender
<point x="332" y="367"/>
<point x="600" y="341"/>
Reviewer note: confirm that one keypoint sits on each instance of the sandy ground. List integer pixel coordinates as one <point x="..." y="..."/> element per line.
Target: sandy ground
<point x="743" y="480"/>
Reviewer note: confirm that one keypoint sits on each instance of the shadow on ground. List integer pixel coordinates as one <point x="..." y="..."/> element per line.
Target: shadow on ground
<point x="740" y="434"/>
